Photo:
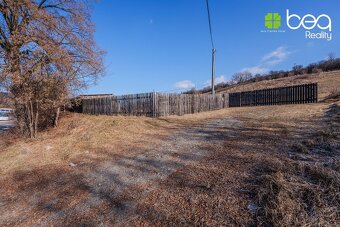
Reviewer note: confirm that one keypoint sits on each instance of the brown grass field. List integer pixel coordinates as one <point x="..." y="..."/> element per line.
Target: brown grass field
<point x="255" y="166"/>
<point x="328" y="83"/>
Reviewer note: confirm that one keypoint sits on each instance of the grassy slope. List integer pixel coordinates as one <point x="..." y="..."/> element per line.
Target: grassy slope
<point x="328" y="83"/>
<point x="282" y="160"/>
<point x="79" y="134"/>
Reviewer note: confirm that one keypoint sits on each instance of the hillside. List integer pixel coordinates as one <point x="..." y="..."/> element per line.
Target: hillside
<point x="329" y="82"/>
<point x="232" y="167"/>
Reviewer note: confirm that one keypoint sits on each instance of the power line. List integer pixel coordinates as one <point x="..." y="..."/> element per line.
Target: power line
<point x="211" y="37"/>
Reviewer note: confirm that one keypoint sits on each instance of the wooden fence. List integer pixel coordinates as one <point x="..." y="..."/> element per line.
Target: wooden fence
<point x="306" y="93"/>
<point x="161" y="104"/>
<point x="154" y="104"/>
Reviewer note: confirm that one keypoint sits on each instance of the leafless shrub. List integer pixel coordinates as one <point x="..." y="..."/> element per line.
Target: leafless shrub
<point x="241" y="77"/>
<point x="47" y="51"/>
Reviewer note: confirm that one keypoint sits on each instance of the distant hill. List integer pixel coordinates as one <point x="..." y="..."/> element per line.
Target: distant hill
<point x="325" y="72"/>
<point x="329" y="83"/>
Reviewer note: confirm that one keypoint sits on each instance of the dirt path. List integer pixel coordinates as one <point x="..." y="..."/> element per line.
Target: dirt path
<point x="271" y="170"/>
<point x="198" y="175"/>
<point x="118" y="183"/>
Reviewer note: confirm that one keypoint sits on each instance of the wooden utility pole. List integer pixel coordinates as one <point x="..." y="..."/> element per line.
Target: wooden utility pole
<point x="213" y="72"/>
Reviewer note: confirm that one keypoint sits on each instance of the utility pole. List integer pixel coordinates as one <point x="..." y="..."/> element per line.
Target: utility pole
<point x="213" y="72"/>
<point x="213" y="53"/>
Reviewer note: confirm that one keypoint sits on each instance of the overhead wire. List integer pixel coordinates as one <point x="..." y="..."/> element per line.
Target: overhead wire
<point x="209" y="20"/>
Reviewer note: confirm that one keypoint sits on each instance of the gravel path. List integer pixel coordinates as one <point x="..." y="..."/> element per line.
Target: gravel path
<point x="132" y="177"/>
<point x="114" y="186"/>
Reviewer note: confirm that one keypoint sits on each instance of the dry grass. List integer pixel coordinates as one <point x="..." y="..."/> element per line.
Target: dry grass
<point x="328" y="82"/>
<point x="295" y="194"/>
<point x="81" y="134"/>
<point x="210" y="193"/>
<point x="258" y="173"/>
<point x="85" y="134"/>
<point x="270" y="166"/>
<point x="78" y="135"/>
<point x="303" y="188"/>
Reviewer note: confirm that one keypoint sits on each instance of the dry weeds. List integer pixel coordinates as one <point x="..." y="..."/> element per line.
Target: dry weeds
<point x="270" y="166"/>
<point x="295" y="194"/>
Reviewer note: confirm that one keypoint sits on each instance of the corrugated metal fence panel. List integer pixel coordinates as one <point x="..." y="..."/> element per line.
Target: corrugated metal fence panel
<point x="306" y="93"/>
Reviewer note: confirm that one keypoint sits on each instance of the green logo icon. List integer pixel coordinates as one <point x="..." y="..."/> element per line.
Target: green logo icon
<point x="272" y="20"/>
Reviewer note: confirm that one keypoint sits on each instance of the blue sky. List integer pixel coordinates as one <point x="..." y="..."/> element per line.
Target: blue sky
<point x="164" y="45"/>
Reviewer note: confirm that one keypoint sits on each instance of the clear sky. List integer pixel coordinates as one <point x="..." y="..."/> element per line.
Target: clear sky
<point x="164" y="45"/>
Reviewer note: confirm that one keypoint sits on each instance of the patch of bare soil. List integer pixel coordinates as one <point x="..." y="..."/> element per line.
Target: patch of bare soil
<point x="271" y="166"/>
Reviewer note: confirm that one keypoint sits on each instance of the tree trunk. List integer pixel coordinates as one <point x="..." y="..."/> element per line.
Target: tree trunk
<point x="56" y="118"/>
<point x="20" y="116"/>
<point x="36" y="119"/>
<point x="32" y="116"/>
<point x="29" y="119"/>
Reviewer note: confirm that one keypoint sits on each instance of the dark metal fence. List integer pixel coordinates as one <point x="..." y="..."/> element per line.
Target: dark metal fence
<point x="299" y="94"/>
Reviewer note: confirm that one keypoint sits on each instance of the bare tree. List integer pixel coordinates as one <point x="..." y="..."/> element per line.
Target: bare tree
<point x="47" y="51"/>
<point x="297" y="69"/>
<point x="331" y="56"/>
<point x="241" y="77"/>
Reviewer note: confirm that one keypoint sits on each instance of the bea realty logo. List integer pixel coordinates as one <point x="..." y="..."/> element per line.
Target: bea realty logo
<point x="316" y="27"/>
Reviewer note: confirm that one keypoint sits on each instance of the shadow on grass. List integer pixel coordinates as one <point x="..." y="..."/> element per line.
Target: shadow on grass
<point x="102" y="189"/>
<point x="198" y="175"/>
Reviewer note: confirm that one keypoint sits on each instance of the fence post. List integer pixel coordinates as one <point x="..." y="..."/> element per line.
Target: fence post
<point x="153" y="97"/>
<point x="316" y="92"/>
<point x="152" y="105"/>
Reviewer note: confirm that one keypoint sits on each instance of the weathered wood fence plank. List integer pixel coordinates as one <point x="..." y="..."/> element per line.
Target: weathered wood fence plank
<point x="154" y="104"/>
<point x="163" y="104"/>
